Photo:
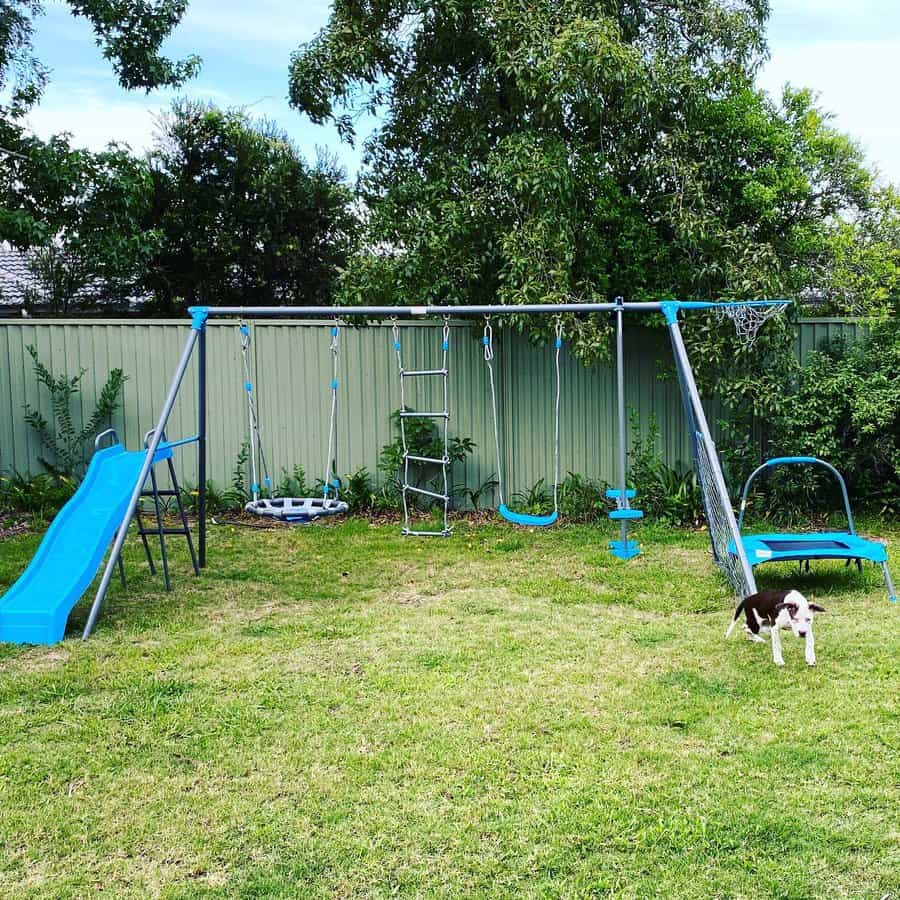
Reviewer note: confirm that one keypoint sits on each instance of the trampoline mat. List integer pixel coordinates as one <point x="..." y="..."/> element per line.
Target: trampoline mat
<point x="804" y="545"/>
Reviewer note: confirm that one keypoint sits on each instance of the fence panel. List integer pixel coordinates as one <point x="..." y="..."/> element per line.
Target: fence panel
<point x="292" y="373"/>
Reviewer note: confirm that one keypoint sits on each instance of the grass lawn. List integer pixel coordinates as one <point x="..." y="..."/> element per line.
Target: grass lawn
<point x="335" y="711"/>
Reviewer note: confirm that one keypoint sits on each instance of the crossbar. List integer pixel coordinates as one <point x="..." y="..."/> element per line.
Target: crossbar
<point x="415" y="312"/>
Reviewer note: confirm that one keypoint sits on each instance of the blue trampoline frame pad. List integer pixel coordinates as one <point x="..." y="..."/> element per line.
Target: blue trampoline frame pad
<point x="763" y="548"/>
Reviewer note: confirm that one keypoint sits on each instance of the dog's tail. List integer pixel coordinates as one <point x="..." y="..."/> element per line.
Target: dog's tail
<point x="737" y="615"/>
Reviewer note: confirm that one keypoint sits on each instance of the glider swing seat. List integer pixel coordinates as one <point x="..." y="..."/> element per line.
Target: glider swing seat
<point x="510" y="515"/>
<point x="804" y="547"/>
<point x="298" y="510"/>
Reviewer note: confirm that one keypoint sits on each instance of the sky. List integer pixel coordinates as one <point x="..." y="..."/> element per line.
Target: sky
<point x="848" y="51"/>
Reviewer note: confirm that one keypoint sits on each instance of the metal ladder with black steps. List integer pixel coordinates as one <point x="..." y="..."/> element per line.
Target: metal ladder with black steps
<point x="161" y="530"/>
<point x="442" y="416"/>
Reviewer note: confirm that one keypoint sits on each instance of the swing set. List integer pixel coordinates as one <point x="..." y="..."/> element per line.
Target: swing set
<point x="730" y="551"/>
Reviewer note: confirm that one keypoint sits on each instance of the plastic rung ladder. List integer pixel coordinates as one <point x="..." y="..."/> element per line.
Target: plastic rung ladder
<point x="415" y="373"/>
<point x="408" y="532"/>
<point x="427" y="459"/>
<point x="615" y="493"/>
<point x="626" y="514"/>
<point x="418" y="490"/>
<point x="424" y="415"/>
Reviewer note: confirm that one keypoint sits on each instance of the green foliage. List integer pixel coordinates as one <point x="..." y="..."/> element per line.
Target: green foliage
<point x="474" y="496"/>
<point x="85" y="213"/>
<point x="63" y="438"/>
<point x="541" y="152"/>
<point x="294" y="484"/>
<point x="358" y="491"/>
<point x="536" y="500"/>
<point x="423" y="438"/>
<point x="244" y="219"/>
<point x="582" y="499"/>
<point x="665" y="493"/>
<point x="239" y="492"/>
<point x="41" y="495"/>
<point x="844" y="407"/>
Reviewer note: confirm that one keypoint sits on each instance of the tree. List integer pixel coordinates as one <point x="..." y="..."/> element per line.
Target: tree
<point x="245" y="220"/>
<point x="84" y="216"/>
<point x="130" y="35"/>
<point x="544" y="152"/>
<point x="82" y="210"/>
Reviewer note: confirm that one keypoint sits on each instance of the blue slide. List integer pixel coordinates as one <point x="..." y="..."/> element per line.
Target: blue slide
<point x="35" y="609"/>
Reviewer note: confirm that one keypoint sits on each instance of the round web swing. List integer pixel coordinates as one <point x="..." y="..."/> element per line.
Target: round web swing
<point x="292" y="509"/>
<point x="518" y="518"/>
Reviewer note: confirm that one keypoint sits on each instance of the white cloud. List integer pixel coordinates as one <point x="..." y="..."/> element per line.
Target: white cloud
<point x="95" y="120"/>
<point x="273" y="23"/>
<point x="857" y="82"/>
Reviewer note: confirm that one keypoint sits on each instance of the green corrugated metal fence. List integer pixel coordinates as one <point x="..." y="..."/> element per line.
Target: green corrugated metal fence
<point x="292" y="371"/>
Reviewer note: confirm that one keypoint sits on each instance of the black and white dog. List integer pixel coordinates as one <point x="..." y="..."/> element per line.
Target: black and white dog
<point x="776" y="610"/>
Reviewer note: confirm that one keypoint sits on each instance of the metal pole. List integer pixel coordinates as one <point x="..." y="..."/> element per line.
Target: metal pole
<point x="620" y="388"/>
<point x="703" y="427"/>
<point x="201" y="447"/>
<point x="412" y="312"/>
<point x="155" y="439"/>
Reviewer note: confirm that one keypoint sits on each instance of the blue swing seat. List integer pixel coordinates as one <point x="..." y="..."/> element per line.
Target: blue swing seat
<point x="525" y="519"/>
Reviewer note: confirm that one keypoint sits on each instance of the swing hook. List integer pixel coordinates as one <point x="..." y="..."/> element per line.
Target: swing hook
<point x="488" y="339"/>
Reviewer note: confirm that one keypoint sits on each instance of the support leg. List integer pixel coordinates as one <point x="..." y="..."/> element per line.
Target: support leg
<point x="183" y="516"/>
<point x="160" y="529"/>
<point x="892" y="593"/>
<point x="141" y="531"/>
<point x="142" y="477"/>
<point x="201" y="449"/>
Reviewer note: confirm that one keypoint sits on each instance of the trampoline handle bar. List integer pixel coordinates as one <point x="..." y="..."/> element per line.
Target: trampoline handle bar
<point x="799" y="460"/>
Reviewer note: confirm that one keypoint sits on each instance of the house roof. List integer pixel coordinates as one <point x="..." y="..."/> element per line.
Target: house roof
<point x="15" y="276"/>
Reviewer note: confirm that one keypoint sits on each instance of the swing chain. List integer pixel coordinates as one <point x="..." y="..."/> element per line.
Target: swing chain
<point x="559" y="331"/>
<point x="446" y="332"/>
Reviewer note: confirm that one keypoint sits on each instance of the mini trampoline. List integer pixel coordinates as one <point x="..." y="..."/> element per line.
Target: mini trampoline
<point x="804" y="547"/>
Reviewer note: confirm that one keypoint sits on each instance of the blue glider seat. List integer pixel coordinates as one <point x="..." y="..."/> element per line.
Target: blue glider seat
<point x="626" y="514"/>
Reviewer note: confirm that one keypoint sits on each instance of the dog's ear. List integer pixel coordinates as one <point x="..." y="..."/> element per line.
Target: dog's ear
<point x="816" y="607"/>
<point x="790" y="607"/>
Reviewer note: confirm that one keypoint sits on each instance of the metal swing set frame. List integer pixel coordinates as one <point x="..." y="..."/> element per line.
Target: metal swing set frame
<point x="728" y="549"/>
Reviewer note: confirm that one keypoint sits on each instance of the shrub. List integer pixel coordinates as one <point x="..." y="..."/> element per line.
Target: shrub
<point x="63" y="439"/>
<point x="41" y="495"/>
<point x="843" y="408"/>
<point x="666" y="493"/>
<point x="423" y="438"/>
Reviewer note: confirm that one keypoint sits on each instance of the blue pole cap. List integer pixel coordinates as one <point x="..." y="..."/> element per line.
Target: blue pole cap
<point x="199" y="315"/>
<point x="670" y="311"/>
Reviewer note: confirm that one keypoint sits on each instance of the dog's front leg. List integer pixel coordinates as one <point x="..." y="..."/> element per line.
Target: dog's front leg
<point x="776" y="646"/>
<point x="810" y="648"/>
